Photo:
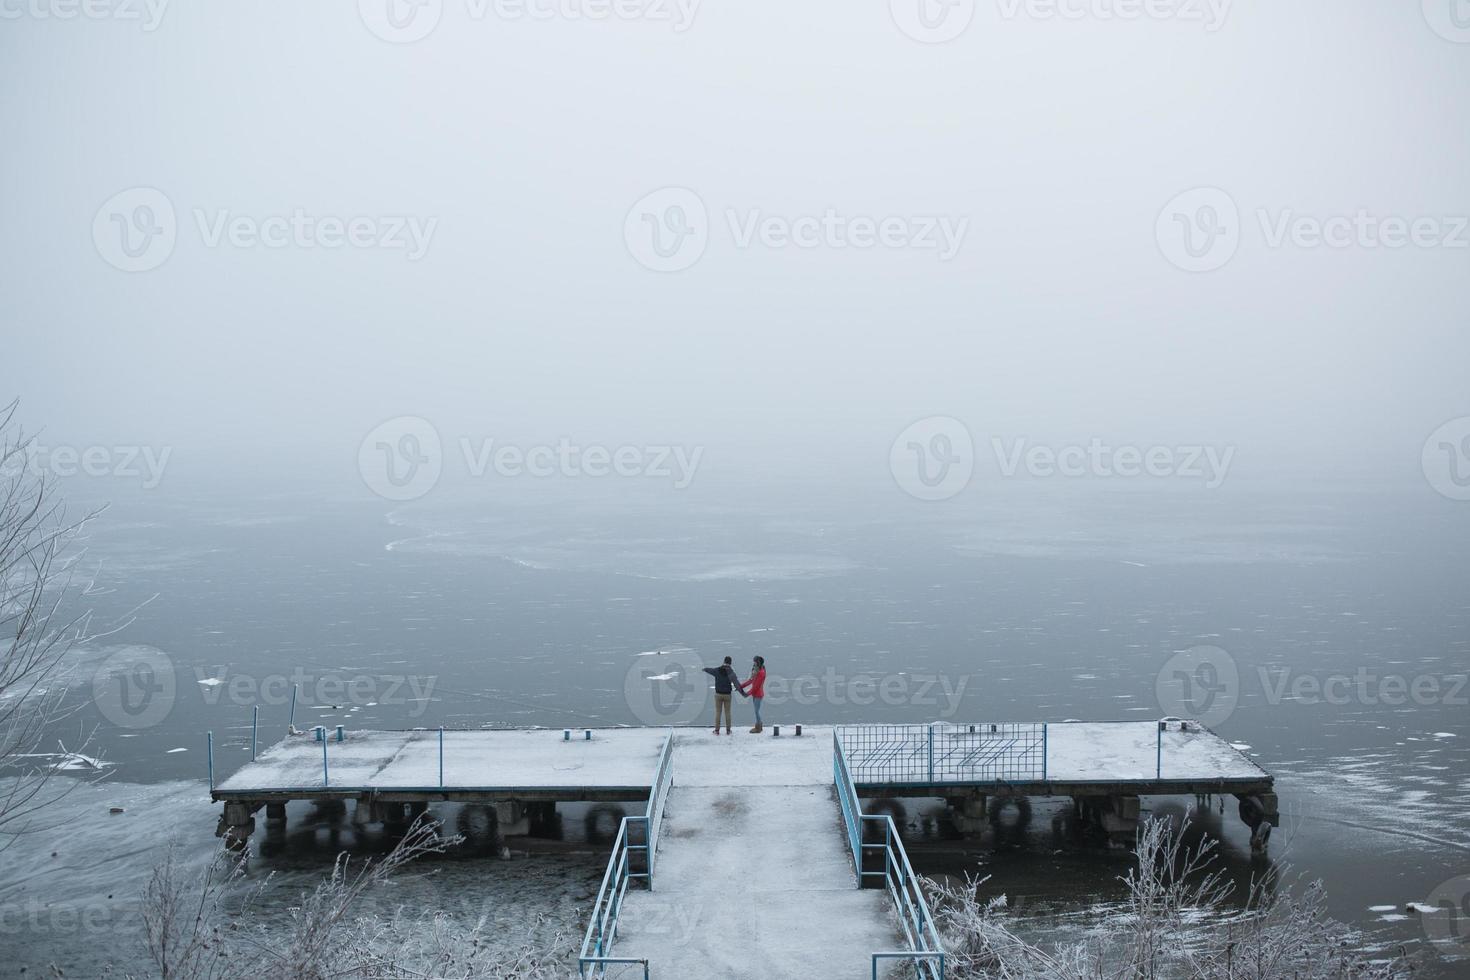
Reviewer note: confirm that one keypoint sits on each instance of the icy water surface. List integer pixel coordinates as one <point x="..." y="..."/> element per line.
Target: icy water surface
<point x="464" y="612"/>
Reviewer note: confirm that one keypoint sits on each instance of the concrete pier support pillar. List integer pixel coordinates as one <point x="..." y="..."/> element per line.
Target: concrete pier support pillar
<point x="1260" y="813"/>
<point x="417" y="809"/>
<point x="377" y="811"/>
<point x="275" y="812"/>
<point x="970" y="813"/>
<point x="511" y="818"/>
<point x="236" y="824"/>
<point x="543" y="820"/>
<point x="1118" y="817"/>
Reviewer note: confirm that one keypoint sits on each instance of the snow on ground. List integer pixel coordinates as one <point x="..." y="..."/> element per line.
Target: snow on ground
<point x="753" y="876"/>
<point x="628" y="757"/>
<point x="702" y="758"/>
<point x="1129" y="750"/>
<point x="472" y="759"/>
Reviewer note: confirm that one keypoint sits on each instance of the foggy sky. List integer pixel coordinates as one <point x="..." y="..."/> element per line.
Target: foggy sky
<point x="1059" y="141"/>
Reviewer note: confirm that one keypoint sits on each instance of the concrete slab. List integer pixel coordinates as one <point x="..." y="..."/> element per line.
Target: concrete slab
<point x="702" y="758"/>
<point x="1124" y="750"/>
<point x="473" y="760"/>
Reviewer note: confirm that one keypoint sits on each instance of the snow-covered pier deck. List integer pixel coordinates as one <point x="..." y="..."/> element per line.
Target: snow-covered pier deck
<point x="616" y="764"/>
<point x="1034" y="759"/>
<point x="1104" y="766"/>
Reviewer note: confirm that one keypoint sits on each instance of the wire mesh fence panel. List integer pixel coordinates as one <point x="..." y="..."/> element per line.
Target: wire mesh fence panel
<point x="945" y="753"/>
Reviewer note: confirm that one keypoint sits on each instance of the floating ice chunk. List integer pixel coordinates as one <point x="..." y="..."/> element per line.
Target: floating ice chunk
<point x="65" y="761"/>
<point x="211" y="681"/>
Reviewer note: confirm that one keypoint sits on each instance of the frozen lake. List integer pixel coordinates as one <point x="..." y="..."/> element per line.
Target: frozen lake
<point x="532" y="613"/>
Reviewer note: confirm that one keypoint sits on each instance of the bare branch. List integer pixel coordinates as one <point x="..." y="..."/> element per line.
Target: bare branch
<point x="37" y="570"/>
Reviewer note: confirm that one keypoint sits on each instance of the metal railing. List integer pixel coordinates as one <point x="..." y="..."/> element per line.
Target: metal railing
<point x="653" y="816"/>
<point x="602" y="930"/>
<point x="925" y="951"/>
<point x="897" y="755"/>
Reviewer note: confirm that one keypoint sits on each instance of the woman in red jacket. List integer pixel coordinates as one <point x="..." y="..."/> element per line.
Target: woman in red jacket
<point x="755" y="688"/>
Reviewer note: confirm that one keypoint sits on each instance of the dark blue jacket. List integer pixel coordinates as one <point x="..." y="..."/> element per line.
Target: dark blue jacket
<point x="724" y="676"/>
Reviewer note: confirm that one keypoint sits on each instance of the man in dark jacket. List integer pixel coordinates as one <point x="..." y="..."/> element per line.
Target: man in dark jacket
<point x="725" y="683"/>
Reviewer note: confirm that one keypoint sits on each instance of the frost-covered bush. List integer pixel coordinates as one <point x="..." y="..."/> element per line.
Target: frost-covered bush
<point x="1180" y="922"/>
<point x="205" y="929"/>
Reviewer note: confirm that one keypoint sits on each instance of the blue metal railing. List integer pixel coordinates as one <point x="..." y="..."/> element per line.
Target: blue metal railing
<point x="653" y="816"/>
<point x="602" y="930"/>
<point x="847" y="798"/>
<point x="925" y="951"/>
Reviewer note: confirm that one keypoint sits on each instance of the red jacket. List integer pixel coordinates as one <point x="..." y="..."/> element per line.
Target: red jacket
<point x="756" y="686"/>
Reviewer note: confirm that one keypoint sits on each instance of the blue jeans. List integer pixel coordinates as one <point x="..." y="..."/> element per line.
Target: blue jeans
<point x="757" y="703"/>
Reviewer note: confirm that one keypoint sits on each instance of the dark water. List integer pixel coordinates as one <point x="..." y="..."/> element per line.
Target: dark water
<point x="465" y="611"/>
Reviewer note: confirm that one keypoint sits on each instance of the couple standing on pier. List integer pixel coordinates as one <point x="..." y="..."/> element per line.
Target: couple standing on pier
<point x="727" y="682"/>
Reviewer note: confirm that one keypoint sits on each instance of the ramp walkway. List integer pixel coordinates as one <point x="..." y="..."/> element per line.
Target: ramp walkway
<point x="754" y="875"/>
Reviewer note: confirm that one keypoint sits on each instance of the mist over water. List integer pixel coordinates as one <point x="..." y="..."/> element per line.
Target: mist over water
<point x="499" y="364"/>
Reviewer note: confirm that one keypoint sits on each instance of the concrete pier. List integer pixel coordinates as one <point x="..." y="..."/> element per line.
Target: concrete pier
<point x="978" y="770"/>
<point x="760" y="834"/>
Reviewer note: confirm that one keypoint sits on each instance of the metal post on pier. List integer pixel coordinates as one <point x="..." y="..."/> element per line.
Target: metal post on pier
<point x="931" y="752"/>
<point x="210" y="751"/>
<point x="1043" y="751"/>
<point x="291" y="721"/>
<point x="325" y="781"/>
<point x="441" y="756"/>
<point x="1159" y="753"/>
<point x="254" y="726"/>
